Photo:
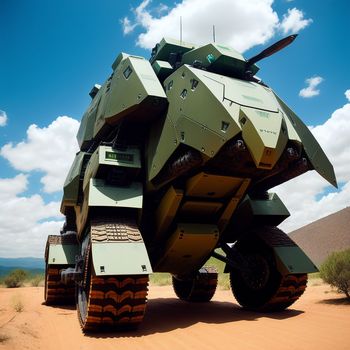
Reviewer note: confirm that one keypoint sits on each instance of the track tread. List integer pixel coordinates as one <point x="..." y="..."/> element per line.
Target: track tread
<point x="200" y="289"/>
<point x="111" y="306"/>
<point x="57" y="292"/>
<point x="113" y="302"/>
<point x="110" y="230"/>
<point x="290" y="289"/>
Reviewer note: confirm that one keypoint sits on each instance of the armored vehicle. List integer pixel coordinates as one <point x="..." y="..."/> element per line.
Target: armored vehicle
<point x="177" y="155"/>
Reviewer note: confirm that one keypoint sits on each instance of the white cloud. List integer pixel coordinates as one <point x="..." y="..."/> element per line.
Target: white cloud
<point x="294" y="21"/>
<point x="13" y="186"/>
<point x="50" y="150"/>
<point x="128" y="27"/>
<point x="347" y="94"/>
<point x="309" y="196"/>
<point x="3" y="118"/>
<point x="241" y="24"/>
<point x="162" y="8"/>
<point x="311" y="90"/>
<point x="25" y="222"/>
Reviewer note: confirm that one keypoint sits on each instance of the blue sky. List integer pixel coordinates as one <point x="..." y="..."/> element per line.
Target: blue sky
<point x="52" y="52"/>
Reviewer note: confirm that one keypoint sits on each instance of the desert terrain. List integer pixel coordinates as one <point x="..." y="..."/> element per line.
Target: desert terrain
<point x="331" y="234"/>
<point x="320" y="319"/>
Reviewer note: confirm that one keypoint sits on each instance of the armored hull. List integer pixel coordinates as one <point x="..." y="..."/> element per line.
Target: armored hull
<point x="177" y="155"/>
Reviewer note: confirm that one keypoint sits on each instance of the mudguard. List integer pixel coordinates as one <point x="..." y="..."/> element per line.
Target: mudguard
<point x="118" y="247"/>
<point x="293" y="260"/>
<point x="61" y="249"/>
<point x="120" y="258"/>
<point x="289" y="256"/>
<point x="262" y="216"/>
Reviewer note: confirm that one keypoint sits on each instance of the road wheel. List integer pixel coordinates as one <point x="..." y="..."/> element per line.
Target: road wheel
<point x="200" y="288"/>
<point x="260" y="286"/>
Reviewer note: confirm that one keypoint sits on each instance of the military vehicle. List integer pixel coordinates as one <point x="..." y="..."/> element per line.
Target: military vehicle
<point x="177" y="155"/>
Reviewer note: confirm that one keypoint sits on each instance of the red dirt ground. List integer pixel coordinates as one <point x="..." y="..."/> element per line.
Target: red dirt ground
<point x="319" y="320"/>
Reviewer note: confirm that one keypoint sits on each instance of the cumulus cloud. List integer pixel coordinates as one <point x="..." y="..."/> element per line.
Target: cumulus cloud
<point x="162" y="8"/>
<point x="309" y="197"/>
<point x="3" y="118"/>
<point x="128" y="27"/>
<point x="347" y="94"/>
<point x="25" y="222"/>
<point x="311" y="90"/>
<point x="294" y="21"/>
<point x="13" y="186"/>
<point x="241" y="24"/>
<point x="49" y="150"/>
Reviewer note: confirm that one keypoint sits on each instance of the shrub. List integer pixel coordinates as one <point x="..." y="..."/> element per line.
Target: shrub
<point x="3" y="338"/>
<point x="336" y="271"/>
<point x="15" y="278"/>
<point x="18" y="306"/>
<point x="36" y="280"/>
<point x="17" y="303"/>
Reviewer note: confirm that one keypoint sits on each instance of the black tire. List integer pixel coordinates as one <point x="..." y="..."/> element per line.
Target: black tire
<point x="262" y="287"/>
<point x="200" y="288"/>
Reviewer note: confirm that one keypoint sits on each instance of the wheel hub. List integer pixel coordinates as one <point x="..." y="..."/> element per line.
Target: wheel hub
<point x="257" y="276"/>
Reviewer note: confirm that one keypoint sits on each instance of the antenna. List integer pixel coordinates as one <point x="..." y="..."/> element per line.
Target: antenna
<point x="181" y="30"/>
<point x="214" y="33"/>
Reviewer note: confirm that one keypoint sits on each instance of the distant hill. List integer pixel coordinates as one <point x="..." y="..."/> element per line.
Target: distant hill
<point x="5" y="270"/>
<point x="324" y="236"/>
<point x="32" y="265"/>
<point x="29" y="263"/>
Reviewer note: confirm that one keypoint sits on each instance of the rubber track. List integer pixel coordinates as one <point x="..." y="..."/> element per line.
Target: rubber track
<point x="274" y="237"/>
<point x="116" y="302"/>
<point x="57" y="292"/>
<point x="110" y="230"/>
<point x="289" y="291"/>
<point x="202" y="289"/>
